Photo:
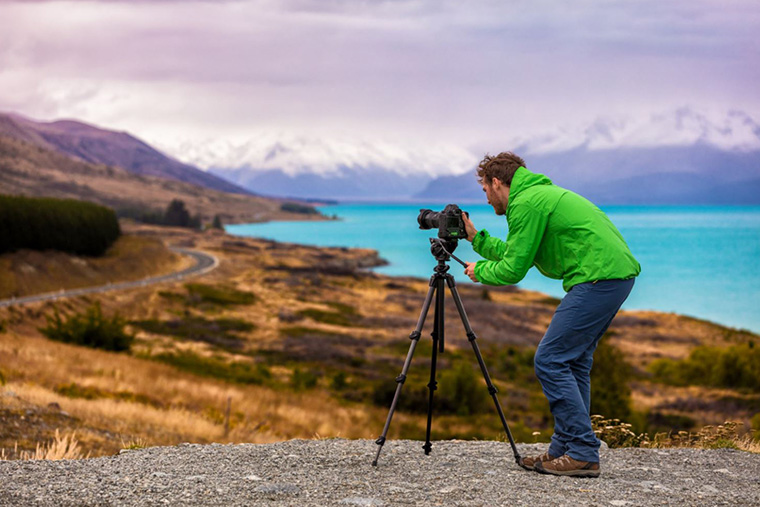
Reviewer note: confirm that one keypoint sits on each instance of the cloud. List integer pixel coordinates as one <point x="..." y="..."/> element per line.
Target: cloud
<point x="417" y="71"/>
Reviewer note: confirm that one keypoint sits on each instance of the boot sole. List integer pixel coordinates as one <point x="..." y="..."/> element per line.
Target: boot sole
<point x="526" y="467"/>
<point x="569" y="473"/>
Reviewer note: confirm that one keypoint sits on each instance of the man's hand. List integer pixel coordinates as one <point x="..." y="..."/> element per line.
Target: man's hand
<point x="470" y="271"/>
<point x="471" y="230"/>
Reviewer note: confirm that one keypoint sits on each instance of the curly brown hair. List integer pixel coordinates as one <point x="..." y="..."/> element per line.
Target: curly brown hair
<point x="502" y="166"/>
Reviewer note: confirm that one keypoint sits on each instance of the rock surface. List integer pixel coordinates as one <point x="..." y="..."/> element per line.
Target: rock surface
<point x="339" y="472"/>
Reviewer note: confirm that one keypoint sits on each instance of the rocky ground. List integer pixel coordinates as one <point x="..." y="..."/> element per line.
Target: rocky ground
<point x="339" y="472"/>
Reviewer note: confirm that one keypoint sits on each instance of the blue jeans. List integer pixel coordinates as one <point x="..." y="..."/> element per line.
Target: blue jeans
<point x="564" y="358"/>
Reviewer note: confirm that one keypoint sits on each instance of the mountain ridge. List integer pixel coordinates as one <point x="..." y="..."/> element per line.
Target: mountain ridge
<point x="115" y="148"/>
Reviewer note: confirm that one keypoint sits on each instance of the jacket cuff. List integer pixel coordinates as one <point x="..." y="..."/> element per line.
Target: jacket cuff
<point x="478" y="268"/>
<point x="479" y="239"/>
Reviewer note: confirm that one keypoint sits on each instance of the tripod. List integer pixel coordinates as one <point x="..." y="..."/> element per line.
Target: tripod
<point x="441" y="250"/>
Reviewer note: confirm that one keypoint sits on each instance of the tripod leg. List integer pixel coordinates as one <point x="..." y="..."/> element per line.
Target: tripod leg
<point x="437" y="338"/>
<point x="415" y="337"/>
<point x="491" y="388"/>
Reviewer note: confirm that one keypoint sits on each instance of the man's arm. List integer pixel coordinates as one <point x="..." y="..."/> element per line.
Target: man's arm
<point x="483" y="243"/>
<point x="525" y="233"/>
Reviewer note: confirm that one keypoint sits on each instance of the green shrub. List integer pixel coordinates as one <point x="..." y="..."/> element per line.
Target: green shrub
<point x="218" y="295"/>
<point x="338" y="381"/>
<point x="237" y="372"/>
<point x="301" y="380"/>
<point x="756" y="423"/>
<point x="736" y="366"/>
<point x="220" y="332"/>
<point x="68" y="225"/>
<point x="462" y="391"/>
<point x="337" y="319"/>
<point x="89" y="329"/>
<point x="294" y="207"/>
<point x="74" y="390"/>
<point x="516" y="363"/>
<point x="610" y="393"/>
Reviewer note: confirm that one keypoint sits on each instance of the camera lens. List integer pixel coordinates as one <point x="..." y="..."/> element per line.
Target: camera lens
<point x="428" y="219"/>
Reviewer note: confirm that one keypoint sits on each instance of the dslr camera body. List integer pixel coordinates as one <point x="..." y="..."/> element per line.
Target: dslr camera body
<point x="449" y="222"/>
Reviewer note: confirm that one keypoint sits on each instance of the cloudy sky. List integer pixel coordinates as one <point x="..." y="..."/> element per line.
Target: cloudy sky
<point x="412" y="79"/>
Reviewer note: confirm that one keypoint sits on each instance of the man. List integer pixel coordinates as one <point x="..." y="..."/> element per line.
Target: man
<point x="566" y="237"/>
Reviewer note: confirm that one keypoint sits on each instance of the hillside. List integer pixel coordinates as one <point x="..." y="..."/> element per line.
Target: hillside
<point x="303" y="342"/>
<point x="100" y="146"/>
<point x="28" y="272"/>
<point x="27" y="169"/>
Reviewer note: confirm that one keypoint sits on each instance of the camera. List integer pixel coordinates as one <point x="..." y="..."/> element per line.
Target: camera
<point x="449" y="222"/>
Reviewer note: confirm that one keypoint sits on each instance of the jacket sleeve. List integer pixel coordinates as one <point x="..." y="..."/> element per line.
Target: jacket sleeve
<point x="526" y="229"/>
<point x="488" y="246"/>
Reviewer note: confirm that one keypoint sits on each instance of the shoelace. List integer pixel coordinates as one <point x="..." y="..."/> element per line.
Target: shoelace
<point x="562" y="460"/>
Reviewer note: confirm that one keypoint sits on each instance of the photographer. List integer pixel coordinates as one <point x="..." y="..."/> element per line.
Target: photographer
<point x="566" y="237"/>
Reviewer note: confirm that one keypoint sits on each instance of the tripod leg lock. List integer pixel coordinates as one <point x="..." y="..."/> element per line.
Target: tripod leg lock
<point x="401" y="379"/>
<point x="492" y="390"/>
<point x="433" y="385"/>
<point x="471" y="336"/>
<point x="415" y="335"/>
<point x="380" y="441"/>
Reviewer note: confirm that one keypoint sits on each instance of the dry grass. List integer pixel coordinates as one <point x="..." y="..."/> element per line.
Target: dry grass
<point x="61" y="447"/>
<point x="730" y="435"/>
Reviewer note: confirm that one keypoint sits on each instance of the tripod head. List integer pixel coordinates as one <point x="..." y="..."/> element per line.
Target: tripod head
<point x="442" y="248"/>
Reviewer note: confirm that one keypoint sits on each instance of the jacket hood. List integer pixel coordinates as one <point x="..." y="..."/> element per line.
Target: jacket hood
<point x="523" y="179"/>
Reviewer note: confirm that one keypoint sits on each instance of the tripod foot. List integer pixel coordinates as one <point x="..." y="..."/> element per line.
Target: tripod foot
<point x="427" y="448"/>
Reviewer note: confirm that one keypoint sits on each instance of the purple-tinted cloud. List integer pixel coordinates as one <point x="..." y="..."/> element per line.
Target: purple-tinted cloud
<point x="460" y="72"/>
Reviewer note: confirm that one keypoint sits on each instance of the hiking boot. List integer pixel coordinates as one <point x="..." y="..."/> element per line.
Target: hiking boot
<point x="529" y="463"/>
<point x="565" y="465"/>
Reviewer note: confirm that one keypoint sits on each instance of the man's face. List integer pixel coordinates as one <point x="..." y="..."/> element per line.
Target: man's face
<point x="497" y="194"/>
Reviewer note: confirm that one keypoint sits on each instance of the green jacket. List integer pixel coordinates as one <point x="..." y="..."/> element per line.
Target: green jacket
<point x="561" y="233"/>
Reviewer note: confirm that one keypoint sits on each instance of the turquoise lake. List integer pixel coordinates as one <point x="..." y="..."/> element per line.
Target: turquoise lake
<point x="697" y="261"/>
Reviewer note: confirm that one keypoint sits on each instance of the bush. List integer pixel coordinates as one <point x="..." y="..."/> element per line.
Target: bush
<point x="89" y="329"/>
<point x="610" y="393"/>
<point x="219" y="332"/>
<point x="238" y="372"/>
<point x="68" y="225"/>
<point x="218" y="295"/>
<point x="462" y="391"/>
<point x="293" y="207"/>
<point x="338" y="382"/>
<point x="736" y="366"/>
<point x="301" y="380"/>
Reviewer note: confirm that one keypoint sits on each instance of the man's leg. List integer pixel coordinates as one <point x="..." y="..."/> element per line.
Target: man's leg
<point x="580" y="319"/>
<point x="581" y="368"/>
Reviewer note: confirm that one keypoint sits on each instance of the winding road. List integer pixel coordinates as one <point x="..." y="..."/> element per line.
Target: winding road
<point x="204" y="263"/>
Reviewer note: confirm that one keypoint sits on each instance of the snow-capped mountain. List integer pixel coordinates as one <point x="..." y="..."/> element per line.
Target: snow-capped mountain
<point x="733" y="131"/>
<point x="681" y="156"/>
<point x="684" y="157"/>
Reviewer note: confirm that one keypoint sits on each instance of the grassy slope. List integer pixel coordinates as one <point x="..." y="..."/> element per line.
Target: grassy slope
<point x="319" y="341"/>
<point x="131" y="257"/>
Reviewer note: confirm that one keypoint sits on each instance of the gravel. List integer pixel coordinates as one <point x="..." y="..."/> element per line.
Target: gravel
<point x="339" y="472"/>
